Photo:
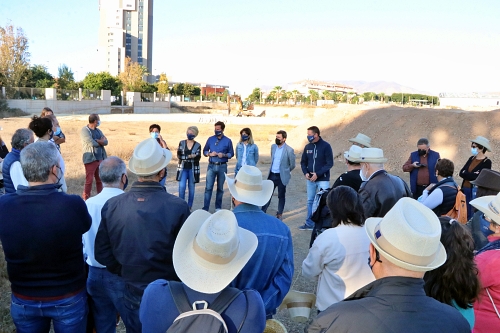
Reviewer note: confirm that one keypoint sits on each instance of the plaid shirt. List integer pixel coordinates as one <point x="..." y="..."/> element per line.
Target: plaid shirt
<point x="182" y="154"/>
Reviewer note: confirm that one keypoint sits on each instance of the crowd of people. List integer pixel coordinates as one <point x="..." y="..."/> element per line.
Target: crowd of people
<point x="147" y="256"/>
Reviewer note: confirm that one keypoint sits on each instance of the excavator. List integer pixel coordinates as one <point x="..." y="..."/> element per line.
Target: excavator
<point x="245" y="108"/>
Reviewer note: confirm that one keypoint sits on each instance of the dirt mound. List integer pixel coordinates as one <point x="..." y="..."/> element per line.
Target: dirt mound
<point x="396" y="130"/>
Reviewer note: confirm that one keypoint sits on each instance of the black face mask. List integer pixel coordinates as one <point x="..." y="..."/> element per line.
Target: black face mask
<point x="164" y="176"/>
<point x="422" y="152"/>
<point x="126" y="183"/>
<point x="278" y="141"/>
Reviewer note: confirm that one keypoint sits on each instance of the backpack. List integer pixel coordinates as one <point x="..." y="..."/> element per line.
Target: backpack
<point x="459" y="210"/>
<point x="206" y="319"/>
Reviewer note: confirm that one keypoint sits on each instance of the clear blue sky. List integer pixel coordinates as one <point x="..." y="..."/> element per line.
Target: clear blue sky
<point x="440" y="45"/>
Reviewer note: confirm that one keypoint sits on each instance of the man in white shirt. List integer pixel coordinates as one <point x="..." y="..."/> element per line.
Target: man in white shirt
<point x="104" y="287"/>
<point x="282" y="164"/>
<point x="11" y="169"/>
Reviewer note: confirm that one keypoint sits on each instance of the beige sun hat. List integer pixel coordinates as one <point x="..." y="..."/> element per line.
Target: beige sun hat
<point x="353" y="154"/>
<point x="362" y="140"/>
<point x="149" y="158"/>
<point x="408" y="236"/>
<point x="274" y="326"/>
<point x="248" y="186"/>
<point x="481" y="140"/>
<point x="210" y="250"/>
<point x="299" y="305"/>
<point x="489" y="205"/>
<point x="372" y="155"/>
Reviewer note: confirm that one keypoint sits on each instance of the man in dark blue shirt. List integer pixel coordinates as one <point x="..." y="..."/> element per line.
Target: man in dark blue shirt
<point x="218" y="149"/>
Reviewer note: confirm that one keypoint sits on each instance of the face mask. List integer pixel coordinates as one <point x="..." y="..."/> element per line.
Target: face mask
<point x="278" y="141"/>
<point x="244" y="137"/>
<point x="164" y="176"/>
<point x="362" y="175"/>
<point x="310" y="138"/>
<point x="154" y="135"/>
<point x="474" y="151"/>
<point x="218" y="133"/>
<point x="51" y="134"/>
<point x="98" y="123"/>
<point x="422" y="152"/>
<point x="58" y="131"/>
<point x="59" y="174"/>
<point x="485" y="227"/>
<point x="190" y="136"/>
<point x="126" y="183"/>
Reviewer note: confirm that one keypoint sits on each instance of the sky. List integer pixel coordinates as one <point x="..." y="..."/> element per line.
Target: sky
<point x="430" y="45"/>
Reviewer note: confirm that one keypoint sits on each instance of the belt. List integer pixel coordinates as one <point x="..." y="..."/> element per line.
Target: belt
<point x="275" y="173"/>
<point x="46" y="299"/>
<point x="217" y="163"/>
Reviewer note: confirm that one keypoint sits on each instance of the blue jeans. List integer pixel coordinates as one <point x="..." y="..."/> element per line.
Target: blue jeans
<point x="312" y="189"/>
<point x="131" y="302"/>
<point x="214" y="171"/>
<point x="468" y="197"/>
<point x="106" y="292"/>
<point x="68" y="315"/>
<point x="187" y="175"/>
<point x="275" y="177"/>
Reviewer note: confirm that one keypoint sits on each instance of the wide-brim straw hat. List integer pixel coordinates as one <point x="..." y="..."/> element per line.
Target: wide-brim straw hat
<point x="372" y="155"/>
<point x="299" y="305"/>
<point x="481" y="140"/>
<point x="248" y="186"/>
<point x="210" y="250"/>
<point x="362" y="140"/>
<point x="274" y="326"/>
<point x="353" y="154"/>
<point x="408" y="236"/>
<point x="489" y="205"/>
<point x="149" y="158"/>
<point x="489" y="179"/>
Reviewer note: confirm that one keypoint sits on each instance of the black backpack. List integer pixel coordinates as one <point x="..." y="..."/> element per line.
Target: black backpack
<point x="205" y="319"/>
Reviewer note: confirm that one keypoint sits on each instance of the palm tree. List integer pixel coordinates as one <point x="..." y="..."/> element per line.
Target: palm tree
<point x="382" y="97"/>
<point x="294" y="94"/>
<point x="278" y="92"/>
<point x="314" y="95"/>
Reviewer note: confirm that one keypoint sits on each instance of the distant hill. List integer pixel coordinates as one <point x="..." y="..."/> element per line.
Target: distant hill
<point x="387" y="88"/>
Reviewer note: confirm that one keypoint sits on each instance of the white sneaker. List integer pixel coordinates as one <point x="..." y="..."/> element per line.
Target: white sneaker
<point x="217" y="209"/>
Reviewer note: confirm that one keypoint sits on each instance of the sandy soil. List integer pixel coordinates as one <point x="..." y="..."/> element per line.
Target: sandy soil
<point x="396" y="130"/>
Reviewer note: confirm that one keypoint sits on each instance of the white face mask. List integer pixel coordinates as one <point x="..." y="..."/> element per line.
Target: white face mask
<point x="363" y="175"/>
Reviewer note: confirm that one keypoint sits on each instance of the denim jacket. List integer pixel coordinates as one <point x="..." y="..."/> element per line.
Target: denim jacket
<point x="252" y="155"/>
<point x="270" y="269"/>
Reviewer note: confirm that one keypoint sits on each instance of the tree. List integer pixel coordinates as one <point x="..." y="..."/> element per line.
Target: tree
<point x="14" y="56"/>
<point x="38" y="77"/>
<point x="278" y="91"/>
<point x="188" y="89"/>
<point x="295" y="93"/>
<point x="163" y="84"/>
<point x="314" y="95"/>
<point x="178" y="89"/>
<point x="102" y="81"/>
<point x="66" y="78"/>
<point x="131" y="76"/>
<point x="255" y="95"/>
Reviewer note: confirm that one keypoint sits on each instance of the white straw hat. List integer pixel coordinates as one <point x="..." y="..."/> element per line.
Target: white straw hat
<point x="372" y="155"/>
<point x="489" y="205"/>
<point x="248" y="186"/>
<point x="299" y="305"/>
<point x="210" y="250"/>
<point x="274" y="326"/>
<point x="408" y="236"/>
<point x="353" y="154"/>
<point x="149" y="158"/>
<point x="481" y="140"/>
<point x="362" y="140"/>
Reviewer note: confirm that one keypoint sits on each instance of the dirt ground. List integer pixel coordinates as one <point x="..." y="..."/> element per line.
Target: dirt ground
<point x="396" y="130"/>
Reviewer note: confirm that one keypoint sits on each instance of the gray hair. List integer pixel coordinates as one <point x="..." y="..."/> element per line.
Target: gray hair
<point x="37" y="159"/>
<point x="194" y="129"/>
<point x="111" y="171"/>
<point x="21" y="138"/>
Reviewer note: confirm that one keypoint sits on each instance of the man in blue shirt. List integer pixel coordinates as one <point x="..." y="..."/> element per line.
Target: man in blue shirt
<point x="218" y="149"/>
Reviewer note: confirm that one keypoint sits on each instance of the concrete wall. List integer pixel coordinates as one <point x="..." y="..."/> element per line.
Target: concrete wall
<point x="282" y="112"/>
<point x="149" y="107"/>
<point x="467" y="102"/>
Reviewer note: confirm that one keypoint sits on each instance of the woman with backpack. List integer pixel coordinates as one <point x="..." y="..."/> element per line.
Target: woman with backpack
<point x="440" y="197"/>
<point x="209" y="251"/>
<point x="477" y="162"/>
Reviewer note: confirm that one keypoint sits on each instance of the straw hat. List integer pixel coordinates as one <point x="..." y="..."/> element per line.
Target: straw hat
<point x="299" y="305"/>
<point x="408" y="236"/>
<point x="248" y="186"/>
<point x="489" y="205"/>
<point x="362" y="140"/>
<point x="274" y="326"/>
<point x="353" y="154"/>
<point x="489" y="179"/>
<point x="210" y="250"/>
<point x="149" y="158"/>
<point x="481" y="140"/>
<point x="372" y="155"/>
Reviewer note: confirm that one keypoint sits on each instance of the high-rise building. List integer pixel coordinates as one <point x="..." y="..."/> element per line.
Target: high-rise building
<point x="126" y="30"/>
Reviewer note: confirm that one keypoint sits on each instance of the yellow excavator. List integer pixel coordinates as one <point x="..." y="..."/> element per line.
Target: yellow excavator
<point x="244" y="108"/>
